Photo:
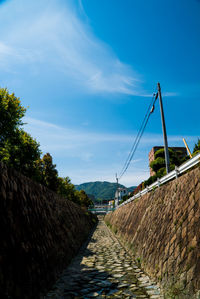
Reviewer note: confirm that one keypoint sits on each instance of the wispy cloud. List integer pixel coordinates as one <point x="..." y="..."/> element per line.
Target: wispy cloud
<point x="53" y="33"/>
<point x="84" y="155"/>
<point x="75" y="142"/>
<point x="171" y="94"/>
<point x="56" y="137"/>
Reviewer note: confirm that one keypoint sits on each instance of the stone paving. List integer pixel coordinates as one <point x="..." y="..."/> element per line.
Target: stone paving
<point x="103" y="269"/>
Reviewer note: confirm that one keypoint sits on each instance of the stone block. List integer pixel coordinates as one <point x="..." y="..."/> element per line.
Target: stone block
<point x="193" y="243"/>
<point x="183" y="253"/>
<point x="170" y="225"/>
<point x="173" y="239"/>
<point x="191" y="215"/>
<point x="190" y="274"/>
<point x="40" y="233"/>
<point x="176" y="252"/>
<point x="184" y="232"/>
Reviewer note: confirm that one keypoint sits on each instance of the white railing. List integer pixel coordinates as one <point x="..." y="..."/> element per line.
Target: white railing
<point x="173" y="174"/>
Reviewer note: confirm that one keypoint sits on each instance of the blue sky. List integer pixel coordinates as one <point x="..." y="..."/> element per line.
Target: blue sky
<point x="87" y="70"/>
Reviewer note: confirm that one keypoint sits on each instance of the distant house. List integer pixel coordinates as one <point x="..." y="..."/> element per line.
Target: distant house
<point x="120" y="192"/>
<point x="110" y="203"/>
<point x="181" y="150"/>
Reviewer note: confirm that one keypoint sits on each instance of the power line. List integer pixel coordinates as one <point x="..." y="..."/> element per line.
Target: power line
<point x="134" y="144"/>
<point x="139" y="135"/>
<point x="136" y="137"/>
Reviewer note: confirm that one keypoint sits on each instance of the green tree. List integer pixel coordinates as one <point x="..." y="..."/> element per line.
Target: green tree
<point x="11" y="113"/>
<point x="49" y="173"/>
<point x="84" y="200"/>
<point x="67" y="189"/>
<point x="150" y="181"/>
<point x="21" y="152"/>
<point x="17" y="148"/>
<point x="158" y="165"/>
<point x="196" y="147"/>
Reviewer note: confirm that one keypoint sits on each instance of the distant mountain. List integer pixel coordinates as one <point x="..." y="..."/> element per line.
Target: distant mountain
<point x="103" y="190"/>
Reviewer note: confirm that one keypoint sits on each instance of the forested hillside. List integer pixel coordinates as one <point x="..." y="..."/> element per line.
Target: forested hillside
<point x="103" y="190"/>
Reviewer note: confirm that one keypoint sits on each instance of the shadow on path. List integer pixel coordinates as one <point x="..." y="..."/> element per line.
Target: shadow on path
<point x="102" y="269"/>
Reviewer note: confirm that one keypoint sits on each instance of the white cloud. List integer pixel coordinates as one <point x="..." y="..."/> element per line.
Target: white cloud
<point x="55" y="35"/>
<point x="51" y="33"/>
<point x="5" y="50"/>
<point x="170" y="94"/>
<point x="87" y="156"/>
<point x="60" y="138"/>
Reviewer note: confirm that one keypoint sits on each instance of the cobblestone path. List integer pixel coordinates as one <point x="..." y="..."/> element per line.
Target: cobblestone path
<point x="103" y="269"/>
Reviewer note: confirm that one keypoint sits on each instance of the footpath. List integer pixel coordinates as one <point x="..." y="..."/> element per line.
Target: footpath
<point x="103" y="269"/>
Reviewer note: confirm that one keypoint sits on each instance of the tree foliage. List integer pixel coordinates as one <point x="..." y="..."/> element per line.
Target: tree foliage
<point x="48" y="172"/>
<point x="17" y="148"/>
<point x="150" y="181"/>
<point x="84" y="200"/>
<point x="102" y="190"/>
<point x="11" y="113"/>
<point x="20" y="151"/>
<point x="158" y="165"/>
<point x="196" y="147"/>
<point x="67" y="189"/>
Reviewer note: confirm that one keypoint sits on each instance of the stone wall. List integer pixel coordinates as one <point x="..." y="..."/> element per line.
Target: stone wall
<point x="162" y="228"/>
<point x="39" y="234"/>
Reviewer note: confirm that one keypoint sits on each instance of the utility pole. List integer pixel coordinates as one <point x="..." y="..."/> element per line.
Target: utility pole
<point x="164" y="130"/>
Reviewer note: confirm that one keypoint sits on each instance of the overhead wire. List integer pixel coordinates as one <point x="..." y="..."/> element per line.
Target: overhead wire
<point x="139" y="135"/>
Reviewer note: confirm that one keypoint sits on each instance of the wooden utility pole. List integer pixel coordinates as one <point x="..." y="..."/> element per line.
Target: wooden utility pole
<point x="164" y="130"/>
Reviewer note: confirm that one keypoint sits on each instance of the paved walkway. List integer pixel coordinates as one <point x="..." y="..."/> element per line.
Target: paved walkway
<point x="103" y="269"/>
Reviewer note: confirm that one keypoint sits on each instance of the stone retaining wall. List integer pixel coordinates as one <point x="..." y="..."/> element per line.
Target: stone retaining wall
<point x="162" y="228"/>
<point x="39" y="234"/>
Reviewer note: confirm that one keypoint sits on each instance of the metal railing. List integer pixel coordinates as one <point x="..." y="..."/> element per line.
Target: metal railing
<point x="101" y="210"/>
<point x="173" y="174"/>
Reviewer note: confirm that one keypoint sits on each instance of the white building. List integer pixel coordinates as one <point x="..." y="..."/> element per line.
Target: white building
<point x="120" y="192"/>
